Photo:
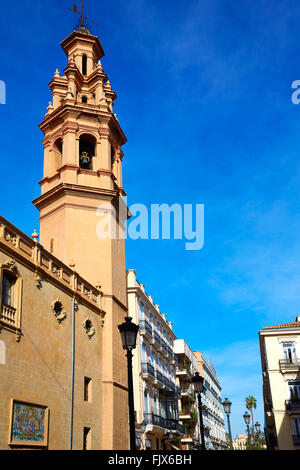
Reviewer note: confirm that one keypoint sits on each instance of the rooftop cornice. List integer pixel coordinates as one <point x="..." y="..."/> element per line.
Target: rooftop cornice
<point x="32" y="254"/>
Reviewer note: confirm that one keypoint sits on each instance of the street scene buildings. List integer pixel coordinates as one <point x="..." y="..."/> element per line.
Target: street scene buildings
<point x="65" y="291"/>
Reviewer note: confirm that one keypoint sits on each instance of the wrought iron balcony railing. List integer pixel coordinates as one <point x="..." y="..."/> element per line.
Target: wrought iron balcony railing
<point x="166" y="423"/>
<point x="292" y="404"/>
<point x="159" y="376"/>
<point x="157" y="337"/>
<point x="147" y="368"/>
<point x="145" y="326"/>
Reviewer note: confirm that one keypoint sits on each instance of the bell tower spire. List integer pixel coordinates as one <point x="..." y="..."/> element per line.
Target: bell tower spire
<point x="82" y="154"/>
<point x="82" y="171"/>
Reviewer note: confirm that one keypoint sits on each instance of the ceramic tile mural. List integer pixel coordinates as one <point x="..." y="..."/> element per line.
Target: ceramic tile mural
<point x="28" y="422"/>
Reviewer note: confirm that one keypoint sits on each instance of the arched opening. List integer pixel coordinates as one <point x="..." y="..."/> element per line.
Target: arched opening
<point x="112" y="155"/>
<point x="58" y="151"/>
<point x="87" y="146"/>
<point x="84" y="64"/>
<point x="84" y="99"/>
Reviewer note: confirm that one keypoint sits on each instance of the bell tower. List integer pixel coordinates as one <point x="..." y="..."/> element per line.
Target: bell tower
<point x="82" y="171"/>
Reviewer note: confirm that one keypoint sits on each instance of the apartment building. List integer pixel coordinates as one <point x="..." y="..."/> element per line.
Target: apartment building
<point x="240" y="442"/>
<point x="213" y="417"/>
<point x="188" y="407"/>
<point x="154" y="367"/>
<point x="280" y="352"/>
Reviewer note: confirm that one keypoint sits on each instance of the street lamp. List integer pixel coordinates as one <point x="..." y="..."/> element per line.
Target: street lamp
<point x="246" y="417"/>
<point x="129" y="331"/>
<point x="198" y="387"/>
<point x="227" y="409"/>
<point x="257" y="429"/>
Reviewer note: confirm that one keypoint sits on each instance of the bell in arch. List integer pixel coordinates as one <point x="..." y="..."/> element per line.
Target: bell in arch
<point x="85" y="160"/>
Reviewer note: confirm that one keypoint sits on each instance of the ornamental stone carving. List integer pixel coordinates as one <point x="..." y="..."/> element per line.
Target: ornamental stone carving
<point x="58" y="310"/>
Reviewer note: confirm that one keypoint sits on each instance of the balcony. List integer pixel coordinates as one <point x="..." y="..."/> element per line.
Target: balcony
<point x="177" y="391"/>
<point x="289" y="366"/>
<point x="159" y="378"/>
<point x="153" y="419"/>
<point x="167" y="382"/>
<point x="185" y="416"/>
<point x="8" y="315"/>
<point x="183" y="372"/>
<point x="187" y="392"/>
<point x="292" y="405"/>
<point x="173" y="425"/>
<point x="148" y="372"/>
<point x="145" y="329"/>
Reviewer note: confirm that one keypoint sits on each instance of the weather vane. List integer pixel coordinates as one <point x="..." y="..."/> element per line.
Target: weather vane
<point x="83" y="21"/>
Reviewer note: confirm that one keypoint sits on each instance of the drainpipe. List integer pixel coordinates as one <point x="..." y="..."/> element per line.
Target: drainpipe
<point x="72" y="373"/>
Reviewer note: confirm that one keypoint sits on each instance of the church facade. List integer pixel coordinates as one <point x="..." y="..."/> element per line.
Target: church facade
<point x="63" y="370"/>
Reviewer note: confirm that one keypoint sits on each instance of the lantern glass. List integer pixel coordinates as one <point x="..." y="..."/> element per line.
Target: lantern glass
<point x="257" y="427"/>
<point x="227" y="406"/>
<point x="198" y="382"/>
<point x="246" y="417"/>
<point x="128" y="331"/>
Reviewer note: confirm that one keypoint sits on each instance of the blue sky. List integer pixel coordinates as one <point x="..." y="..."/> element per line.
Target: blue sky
<point x="204" y="98"/>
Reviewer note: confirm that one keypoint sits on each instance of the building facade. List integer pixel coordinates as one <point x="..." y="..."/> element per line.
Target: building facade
<point x="240" y="442"/>
<point x="188" y="408"/>
<point x="62" y="353"/>
<point x="154" y="368"/>
<point x="280" y="352"/>
<point x="213" y="417"/>
<point x="51" y="326"/>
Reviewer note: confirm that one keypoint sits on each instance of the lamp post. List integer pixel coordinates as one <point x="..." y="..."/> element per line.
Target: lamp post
<point x="257" y="429"/>
<point x="198" y="387"/>
<point x="227" y="409"/>
<point x="246" y="417"/>
<point x="128" y="331"/>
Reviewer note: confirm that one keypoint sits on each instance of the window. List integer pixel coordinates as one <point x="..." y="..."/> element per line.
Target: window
<point x="87" y="389"/>
<point x="296" y="426"/>
<point x="84" y="99"/>
<point x="84" y="64"/>
<point x="146" y="403"/>
<point x="87" y="439"/>
<point x="294" y="387"/>
<point x="112" y="154"/>
<point x="8" y="283"/>
<point x="141" y="313"/>
<point x="11" y="298"/>
<point x="58" y="154"/>
<point x="155" y="407"/>
<point x="289" y="352"/>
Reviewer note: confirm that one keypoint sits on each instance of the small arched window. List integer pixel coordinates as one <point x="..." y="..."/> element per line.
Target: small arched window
<point x="84" y="99"/>
<point x="58" y="149"/>
<point x="84" y="64"/>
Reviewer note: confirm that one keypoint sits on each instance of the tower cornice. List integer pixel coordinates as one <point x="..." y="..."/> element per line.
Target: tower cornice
<point x="63" y="113"/>
<point x="86" y="39"/>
